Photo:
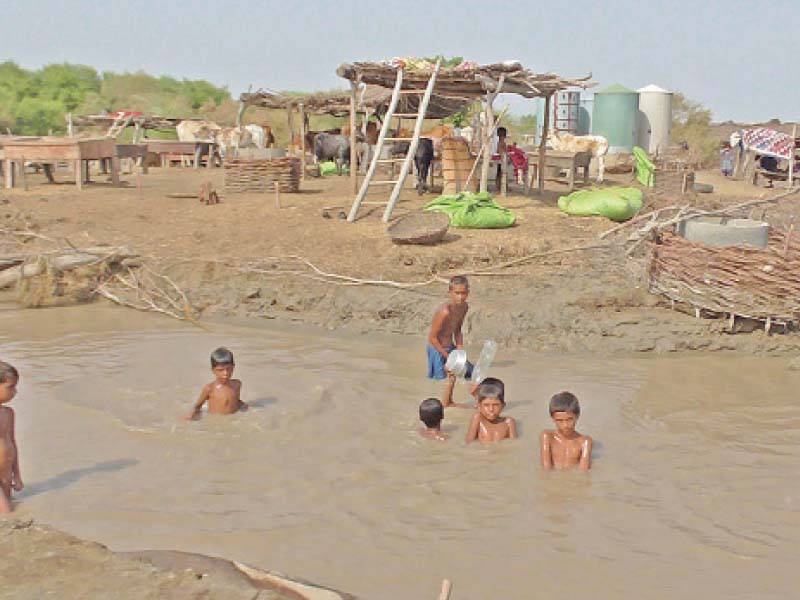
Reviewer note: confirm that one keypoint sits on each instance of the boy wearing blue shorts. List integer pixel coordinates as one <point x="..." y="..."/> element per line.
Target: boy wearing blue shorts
<point x="445" y="334"/>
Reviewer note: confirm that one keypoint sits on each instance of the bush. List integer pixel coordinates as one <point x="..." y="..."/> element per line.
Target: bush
<point x="691" y="123"/>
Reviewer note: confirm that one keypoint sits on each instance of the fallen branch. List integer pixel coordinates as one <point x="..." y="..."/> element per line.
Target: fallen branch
<point x="63" y="262"/>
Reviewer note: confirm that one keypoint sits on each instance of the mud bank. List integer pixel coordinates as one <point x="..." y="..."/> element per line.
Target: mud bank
<point x="40" y="561"/>
<point x="584" y="307"/>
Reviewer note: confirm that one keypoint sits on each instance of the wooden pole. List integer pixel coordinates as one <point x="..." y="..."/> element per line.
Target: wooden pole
<point x="70" y="126"/>
<point x="277" y="195"/>
<point x="543" y="141"/>
<point x="353" y="160"/>
<point x="302" y="141"/>
<point x="290" y="118"/>
<point x="791" y="156"/>
<point x="487" y="142"/>
<point x="447" y="587"/>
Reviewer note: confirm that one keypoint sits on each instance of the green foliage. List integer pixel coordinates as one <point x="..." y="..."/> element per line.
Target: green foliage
<point x="447" y="63"/>
<point x="691" y="123"/>
<point x="35" y="102"/>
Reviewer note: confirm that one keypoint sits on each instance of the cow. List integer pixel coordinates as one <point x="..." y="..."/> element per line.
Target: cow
<point x="261" y="136"/>
<point x="329" y="146"/>
<point x="596" y="145"/>
<point x="197" y="131"/>
<point x="423" y="158"/>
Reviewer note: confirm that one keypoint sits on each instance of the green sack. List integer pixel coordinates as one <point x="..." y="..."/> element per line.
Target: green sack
<point x="616" y="203"/>
<point x="476" y="211"/>
<point x="645" y="169"/>
<point x="329" y="168"/>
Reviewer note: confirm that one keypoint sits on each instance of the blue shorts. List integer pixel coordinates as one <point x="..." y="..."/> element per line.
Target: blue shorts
<point x="436" y="363"/>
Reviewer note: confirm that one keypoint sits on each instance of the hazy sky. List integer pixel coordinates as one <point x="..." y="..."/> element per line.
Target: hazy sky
<point x="739" y="58"/>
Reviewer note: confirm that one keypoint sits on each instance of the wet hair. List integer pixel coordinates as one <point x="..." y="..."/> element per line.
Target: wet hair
<point x="7" y="372"/>
<point x="458" y="280"/>
<point x="491" y="387"/>
<point x="221" y="356"/>
<point x="502" y="132"/>
<point x="431" y="412"/>
<point x="565" y="402"/>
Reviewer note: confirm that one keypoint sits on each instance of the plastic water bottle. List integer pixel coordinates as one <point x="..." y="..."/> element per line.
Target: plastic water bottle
<point x="481" y="369"/>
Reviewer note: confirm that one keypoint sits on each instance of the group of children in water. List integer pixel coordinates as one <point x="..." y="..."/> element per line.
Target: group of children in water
<point x="562" y="447"/>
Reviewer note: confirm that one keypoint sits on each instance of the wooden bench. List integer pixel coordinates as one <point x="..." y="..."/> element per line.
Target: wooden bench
<point x="569" y="161"/>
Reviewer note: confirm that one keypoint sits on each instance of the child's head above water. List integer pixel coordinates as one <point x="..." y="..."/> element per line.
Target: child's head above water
<point x="458" y="289"/>
<point x="565" y="402"/>
<point x="491" y="387"/>
<point x="431" y="412"/>
<point x="221" y="357"/>
<point x="7" y="373"/>
<point x="457" y="280"/>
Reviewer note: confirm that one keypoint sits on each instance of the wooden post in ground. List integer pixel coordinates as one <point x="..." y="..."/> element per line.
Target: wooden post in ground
<point x="70" y="126"/>
<point x="353" y="160"/>
<point x="290" y="119"/>
<point x="302" y="141"/>
<point x="22" y="174"/>
<point x="487" y="142"/>
<point x="543" y="142"/>
<point x="791" y="156"/>
<point x="277" y="195"/>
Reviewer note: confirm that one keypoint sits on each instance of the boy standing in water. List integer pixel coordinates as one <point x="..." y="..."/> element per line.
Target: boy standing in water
<point x="487" y="425"/>
<point x="565" y="448"/>
<point x="431" y="413"/>
<point x="445" y="334"/>
<point x="222" y="394"/>
<point x="9" y="457"/>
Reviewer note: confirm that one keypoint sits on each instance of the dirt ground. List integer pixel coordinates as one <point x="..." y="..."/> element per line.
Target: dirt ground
<point x="78" y="569"/>
<point x="246" y="257"/>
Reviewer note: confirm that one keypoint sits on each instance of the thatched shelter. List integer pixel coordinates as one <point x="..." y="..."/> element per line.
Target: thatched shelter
<point x="463" y="84"/>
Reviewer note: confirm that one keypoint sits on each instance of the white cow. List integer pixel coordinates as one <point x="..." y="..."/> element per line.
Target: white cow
<point x="197" y="131"/>
<point x="597" y="145"/>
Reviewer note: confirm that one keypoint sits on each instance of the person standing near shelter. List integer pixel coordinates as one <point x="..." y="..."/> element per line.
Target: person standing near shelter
<point x="445" y="334"/>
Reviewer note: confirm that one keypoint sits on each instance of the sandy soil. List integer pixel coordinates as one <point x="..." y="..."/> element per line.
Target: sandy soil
<point x="574" y="301"/>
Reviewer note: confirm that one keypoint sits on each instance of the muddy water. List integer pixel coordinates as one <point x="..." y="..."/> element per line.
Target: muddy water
<point x="694" y="492"/>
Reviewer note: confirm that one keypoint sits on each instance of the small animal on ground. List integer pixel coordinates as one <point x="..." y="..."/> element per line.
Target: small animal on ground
<point x="597" y="145"/>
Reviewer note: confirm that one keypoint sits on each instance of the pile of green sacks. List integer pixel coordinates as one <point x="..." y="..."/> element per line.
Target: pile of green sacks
<point x="329" y="168"/>
<point x="475" y="211"/>
<point x="615" y="203"/>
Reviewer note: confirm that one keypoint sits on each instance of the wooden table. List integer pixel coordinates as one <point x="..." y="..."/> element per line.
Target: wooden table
<point x="134" y="151"/>
<point x="570" y="161"/>
<point x="53" y="149"/>
<point x="194" y="149"/>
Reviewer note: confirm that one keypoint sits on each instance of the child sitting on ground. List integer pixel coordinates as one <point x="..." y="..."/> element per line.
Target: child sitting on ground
<point x="445" y="334"/>
<point x="222" y="394"/>
<point x="565" y="448"/>
<point x="9" y="457"/>
<point x="431" y="413"/>
<point x="487" y="425"/>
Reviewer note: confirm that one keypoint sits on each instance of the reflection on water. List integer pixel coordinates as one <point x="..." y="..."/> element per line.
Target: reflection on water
<point x="694" y="490"/>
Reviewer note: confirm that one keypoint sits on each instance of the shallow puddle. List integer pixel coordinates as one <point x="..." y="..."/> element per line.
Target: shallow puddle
<point x="694" y="490"/>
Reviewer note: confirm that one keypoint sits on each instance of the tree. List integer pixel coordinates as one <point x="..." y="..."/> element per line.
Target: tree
<point x="691" y="123"/>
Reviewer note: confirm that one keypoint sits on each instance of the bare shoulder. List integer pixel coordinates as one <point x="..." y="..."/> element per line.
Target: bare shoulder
<point x="236" y="382"/>
<point x="584" y="439"/>
<point x="510" y="421"/>
<point x="547" y="435"/>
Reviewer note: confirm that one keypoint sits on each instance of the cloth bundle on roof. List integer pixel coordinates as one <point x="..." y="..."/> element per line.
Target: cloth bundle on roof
<point x="768" y="142"/>
<point x="615" y="203"/>
<point x="473" y="211"/>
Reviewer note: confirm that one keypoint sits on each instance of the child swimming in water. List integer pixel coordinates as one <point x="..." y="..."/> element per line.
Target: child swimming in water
<point x="222" y="394"/>
<point x="445" y="334"/>
<point x="565" y="448"/>
<point x="431" y="413"/>
<point x="487" y="425"/>
<point x="9" y="457"/>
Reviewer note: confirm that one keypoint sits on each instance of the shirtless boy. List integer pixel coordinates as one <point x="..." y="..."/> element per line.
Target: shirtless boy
<point x="487" y="425"/>
<point x="223" y="393"/>
<point x="9" y="457"/>
<point x="445" y="335"/>
<point x="431" y="413"/>
<point x="565" y="448"/>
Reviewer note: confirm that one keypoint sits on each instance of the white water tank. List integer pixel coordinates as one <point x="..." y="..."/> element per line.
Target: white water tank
<point x="655" y="118"/>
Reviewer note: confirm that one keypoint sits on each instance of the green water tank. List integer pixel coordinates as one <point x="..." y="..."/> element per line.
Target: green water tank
<point x="616" y="117"/>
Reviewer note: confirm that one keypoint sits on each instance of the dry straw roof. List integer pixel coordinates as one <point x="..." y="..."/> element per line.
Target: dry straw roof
<point x="145" y="121"/>
<point x="473" y="81"/>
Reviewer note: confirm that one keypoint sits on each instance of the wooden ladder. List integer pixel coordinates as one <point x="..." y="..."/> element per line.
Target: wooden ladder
<point x="118" y="126"/>
<point x="384" y="137"/>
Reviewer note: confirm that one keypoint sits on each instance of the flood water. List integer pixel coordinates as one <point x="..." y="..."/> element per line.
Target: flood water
<point x="694" y="490"/>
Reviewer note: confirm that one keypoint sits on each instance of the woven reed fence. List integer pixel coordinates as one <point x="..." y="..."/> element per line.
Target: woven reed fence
<point x="260" y="175"/>
<point x="736" y="280"/>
